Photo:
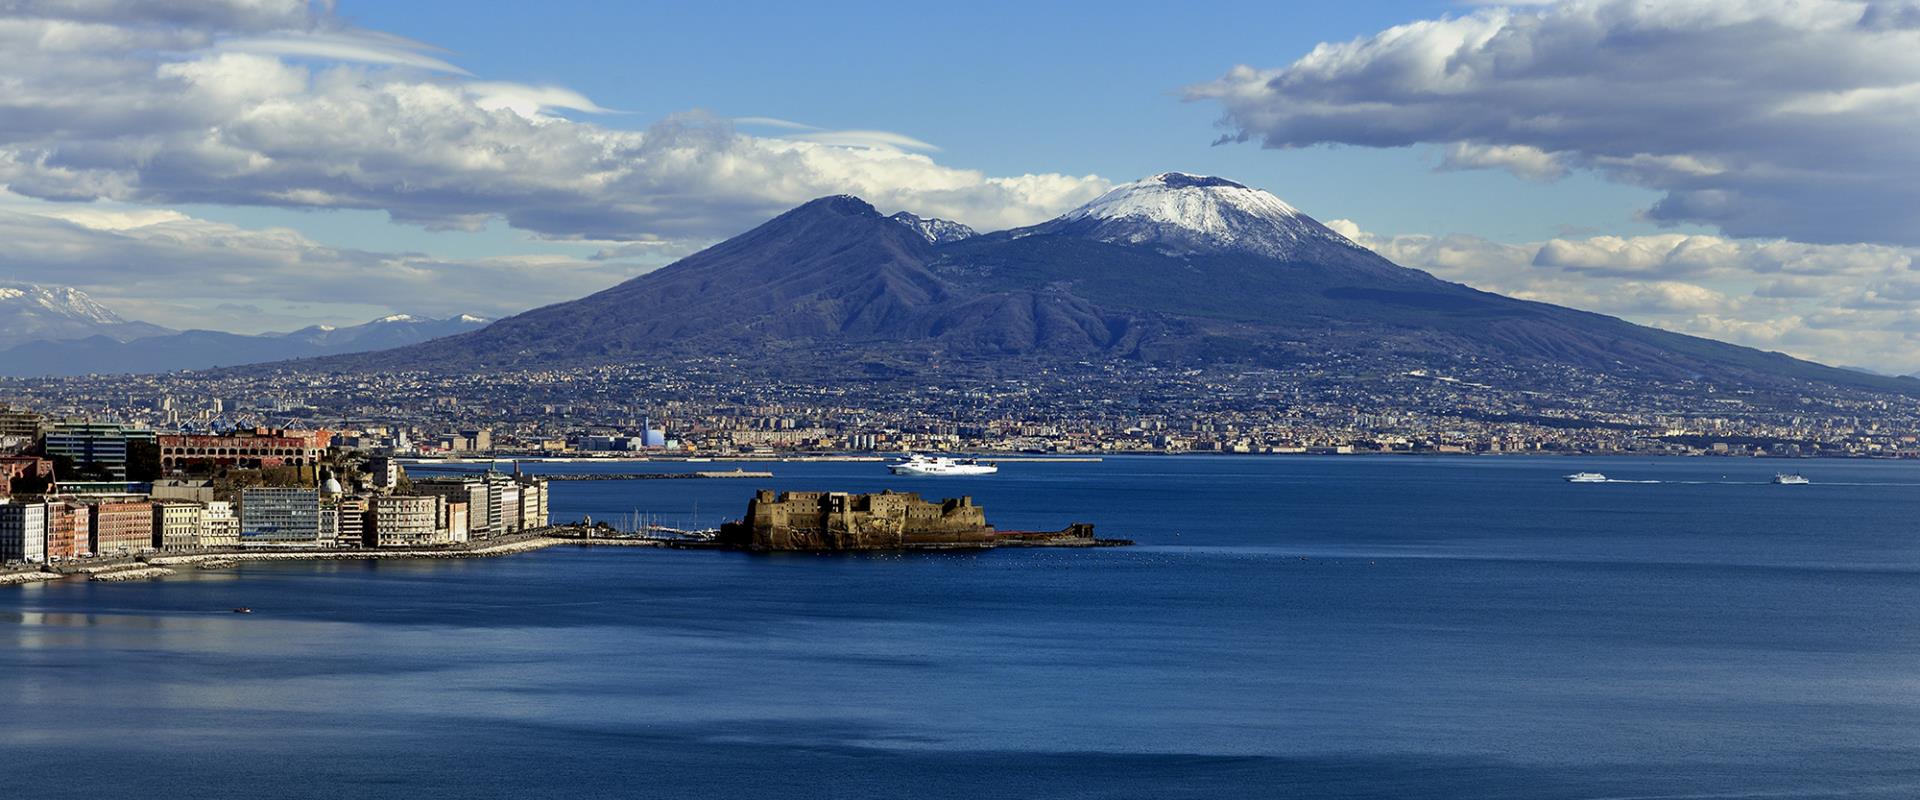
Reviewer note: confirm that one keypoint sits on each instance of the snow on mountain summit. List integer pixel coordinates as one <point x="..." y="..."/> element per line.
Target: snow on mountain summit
<point x="937" y="231"/>
<point x="1182" y="213"/>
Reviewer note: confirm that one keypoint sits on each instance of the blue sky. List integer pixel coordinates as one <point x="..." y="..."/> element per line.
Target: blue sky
<point x="1738" y="169"/>
<point x="1002" y="87"/>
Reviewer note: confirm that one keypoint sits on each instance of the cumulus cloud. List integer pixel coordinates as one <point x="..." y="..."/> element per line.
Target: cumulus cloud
<point x="258" y="102"/>
<point x="1855" y="304"/>
<point x="174" y="269"/>
<point x="1765" y="118"/>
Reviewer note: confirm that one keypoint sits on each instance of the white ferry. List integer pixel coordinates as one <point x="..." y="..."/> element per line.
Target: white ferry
<point x="1791" y="479"/>
<point x="940" y="466"/>
<point x="1584" y="477"/>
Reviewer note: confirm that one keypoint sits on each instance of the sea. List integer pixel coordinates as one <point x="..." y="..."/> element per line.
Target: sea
<point x="1288" y="627"/>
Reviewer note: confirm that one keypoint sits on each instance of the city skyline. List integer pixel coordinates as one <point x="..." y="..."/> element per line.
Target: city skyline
<point x="265" y="166"/>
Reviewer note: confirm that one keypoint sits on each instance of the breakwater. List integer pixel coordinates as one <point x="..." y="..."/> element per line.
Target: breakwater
<point x="659" y="476"/>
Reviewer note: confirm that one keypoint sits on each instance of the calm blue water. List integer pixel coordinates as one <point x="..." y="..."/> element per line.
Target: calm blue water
<point x="1289" y="627"/>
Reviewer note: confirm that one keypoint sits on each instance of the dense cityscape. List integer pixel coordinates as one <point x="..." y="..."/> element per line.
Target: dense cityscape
<point x="721" y="408"/>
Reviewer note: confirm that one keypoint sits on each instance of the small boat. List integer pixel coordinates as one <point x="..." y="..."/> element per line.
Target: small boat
<point x="940" y="465"/>
<point x="1791" y="479"/>
<point x="243" y="610"/>
<point x="1584" y="477"/>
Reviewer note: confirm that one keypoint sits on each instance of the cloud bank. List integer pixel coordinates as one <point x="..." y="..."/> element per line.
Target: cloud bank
<point x="1763" y="118"/>
<point x="1856" y="304"/>
<point x="279" y="103"/>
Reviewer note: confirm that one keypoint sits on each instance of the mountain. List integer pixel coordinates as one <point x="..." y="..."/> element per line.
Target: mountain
<point x="29" y="312"/>
<point x="199" y="349"/>
<point x="936" y="231"/>
<point x="1172" y="269"/>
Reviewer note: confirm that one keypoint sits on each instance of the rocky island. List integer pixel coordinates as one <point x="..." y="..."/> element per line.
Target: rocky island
<point x="888" y="520"/>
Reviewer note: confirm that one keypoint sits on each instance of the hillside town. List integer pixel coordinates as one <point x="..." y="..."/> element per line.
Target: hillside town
<point x="717" y="408"/>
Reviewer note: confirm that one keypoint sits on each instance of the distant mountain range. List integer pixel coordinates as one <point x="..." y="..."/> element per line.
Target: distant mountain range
<point x="1172" y="269"/>
<point x="62" y="331"/>
<point x="29" y="313"/>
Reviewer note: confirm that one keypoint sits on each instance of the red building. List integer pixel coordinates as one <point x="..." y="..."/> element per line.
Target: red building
<point x="247" y="449"/>
<point x="122" y="528"/>
<point x="32" y="470"/>
<point x="69" y="530"/>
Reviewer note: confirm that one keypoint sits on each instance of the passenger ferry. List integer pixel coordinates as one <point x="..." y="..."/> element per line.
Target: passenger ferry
<point x="1584" y="477"/>
<point x="929" y="466"/>
<point x="1790" y="479"/>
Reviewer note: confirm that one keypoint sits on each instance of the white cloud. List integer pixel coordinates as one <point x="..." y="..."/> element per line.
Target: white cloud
<point x="173" y="269"/>
<point x="1770" y="118"/>
<point x="1855" y="305"/>
<point x="287" y="107"/>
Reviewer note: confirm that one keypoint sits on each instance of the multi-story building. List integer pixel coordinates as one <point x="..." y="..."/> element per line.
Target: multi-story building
<point x="455" y="521"/>
<point x="19" y="423"/>
<point x="352" y="529"/>
<point x="406" y="521"/>
<point x="509" y="508"/>
<point x="98" y="449"/>
<point x="69" y="530"/>
<point x="121" y="527"/>
<point x="23" y="532"/>
<point x="533" y="502"/>
<point x="279" y="517"/>
<point x="471" y="491"/>
<point x="178" y="524"/>
<point x="220" y="529"/>
<point x="385" y="474"/>
<point x="247" y="449"/>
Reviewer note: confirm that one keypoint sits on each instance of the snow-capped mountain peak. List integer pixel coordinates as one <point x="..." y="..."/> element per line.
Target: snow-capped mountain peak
<point x="937" y="231"/>
<point x="29" y="312"/>
<point x="63" y="301"/>
<point x="1181" y="213"/>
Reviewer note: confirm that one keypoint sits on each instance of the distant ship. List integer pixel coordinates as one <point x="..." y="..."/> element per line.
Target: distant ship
<point x="940" y="466"/>
<point x="1791" y="479"/>
<point x="1585" y="477"/>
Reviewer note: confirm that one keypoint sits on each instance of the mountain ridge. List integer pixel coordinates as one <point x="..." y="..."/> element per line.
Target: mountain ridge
<point x="1172" y="269"/>
<point x="204" y="349"/>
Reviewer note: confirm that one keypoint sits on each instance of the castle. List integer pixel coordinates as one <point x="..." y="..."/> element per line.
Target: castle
<point x="889" y="520"/>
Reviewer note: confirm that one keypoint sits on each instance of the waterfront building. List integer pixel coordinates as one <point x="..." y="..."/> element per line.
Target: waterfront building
<point x="69" y="530"/>
<point x="177" y="524"/>
<point x="406" y="520"/>
<point x="259" y="448"/>
<point x="496" y="516"/>
<point x="352" y="528"/>
<point x="98" y="450"/>
<point x="121" y="527"/>
<point x="472" y="492"/>
<point x="454" y="524"/>
<point x="23" y="532"/>
<point x="280" y="517"/>
<point x="533" y="502"/>
<point x="219" y="528"/>
<point x="510" y="518"/>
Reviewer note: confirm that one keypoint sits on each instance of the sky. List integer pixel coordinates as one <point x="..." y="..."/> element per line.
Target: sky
<point x="1736" y="169"/>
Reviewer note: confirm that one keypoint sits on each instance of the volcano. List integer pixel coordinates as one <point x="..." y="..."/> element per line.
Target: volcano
<point x="1172" y="269"/>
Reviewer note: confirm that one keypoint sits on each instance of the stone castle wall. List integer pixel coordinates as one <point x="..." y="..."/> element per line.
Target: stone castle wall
<point x="844" y="521"/>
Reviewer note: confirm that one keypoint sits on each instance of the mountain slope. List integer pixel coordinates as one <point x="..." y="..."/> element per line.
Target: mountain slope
<point x="29" y="312"/>
<point x="199" y="349"/>
<point x="1172" y="269"/>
